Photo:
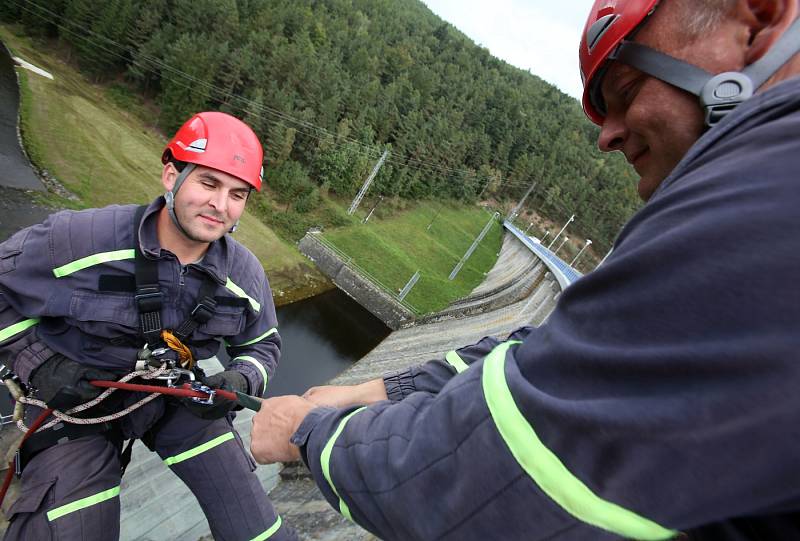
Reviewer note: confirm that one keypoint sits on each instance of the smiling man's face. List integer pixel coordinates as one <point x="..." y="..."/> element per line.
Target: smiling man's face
<point x="652" y="122"/>
<point x="209" y="203"/>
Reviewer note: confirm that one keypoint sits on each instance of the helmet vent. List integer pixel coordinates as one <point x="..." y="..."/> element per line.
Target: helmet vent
<point x="598" y="29"/>
<point x="198" y="145"/>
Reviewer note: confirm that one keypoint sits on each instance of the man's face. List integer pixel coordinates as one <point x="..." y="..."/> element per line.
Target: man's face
<point x="654" y="123"/>
<point x="209" y="202"/>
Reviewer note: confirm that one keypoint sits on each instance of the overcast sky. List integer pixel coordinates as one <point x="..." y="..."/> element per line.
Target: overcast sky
<point x="539" y="35"/>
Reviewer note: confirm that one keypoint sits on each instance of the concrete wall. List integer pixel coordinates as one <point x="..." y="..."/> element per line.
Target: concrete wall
<point x="356" y="285"/>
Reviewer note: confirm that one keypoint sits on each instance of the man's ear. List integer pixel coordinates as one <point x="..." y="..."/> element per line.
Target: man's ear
<point x="168" y="176"/>
<point x="767" y="21"/>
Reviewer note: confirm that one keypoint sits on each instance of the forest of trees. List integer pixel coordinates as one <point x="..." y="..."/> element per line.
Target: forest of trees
<point x="331" y="84"/>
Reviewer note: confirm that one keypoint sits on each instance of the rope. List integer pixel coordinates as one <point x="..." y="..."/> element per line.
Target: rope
<point x="67" y="417"/>
<point x="184" y="353"/>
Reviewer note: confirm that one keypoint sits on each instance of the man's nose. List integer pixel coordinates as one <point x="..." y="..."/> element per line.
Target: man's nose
<point x="220" y="200"/>
<point x="613" y="134"/>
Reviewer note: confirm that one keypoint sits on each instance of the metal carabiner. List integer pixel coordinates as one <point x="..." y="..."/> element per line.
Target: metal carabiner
<point x="198" y="386"/>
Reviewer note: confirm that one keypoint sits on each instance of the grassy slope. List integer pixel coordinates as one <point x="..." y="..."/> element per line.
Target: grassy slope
<point x="105" y="155"/>
<point x="394" y="248"/>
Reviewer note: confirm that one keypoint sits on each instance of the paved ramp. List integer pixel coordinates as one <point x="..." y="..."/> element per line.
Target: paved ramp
<point x="15" y="170"/>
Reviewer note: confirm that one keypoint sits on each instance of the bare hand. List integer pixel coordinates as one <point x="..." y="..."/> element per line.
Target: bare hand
<point x="274" y="424"/>
<point x="342" y="396"/>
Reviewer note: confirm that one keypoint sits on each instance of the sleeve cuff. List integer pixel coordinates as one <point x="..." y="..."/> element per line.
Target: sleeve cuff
<point x="30" y="358"/>
<point x="399" y="384"/>
<point x="300" y="437"/>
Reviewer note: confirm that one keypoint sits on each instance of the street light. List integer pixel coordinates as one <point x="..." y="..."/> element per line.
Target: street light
<point x="546" y="234"/>
<point x="588" y="243"/>
<point x="571" y="219"/>
<point x="530" y="224"/>
<point x="563" y="242"/>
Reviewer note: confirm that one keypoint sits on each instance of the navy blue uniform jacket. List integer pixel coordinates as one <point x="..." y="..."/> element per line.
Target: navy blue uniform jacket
<point x="661" y="396"/>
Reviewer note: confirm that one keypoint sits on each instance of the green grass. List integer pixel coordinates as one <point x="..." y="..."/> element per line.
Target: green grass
<point x="96" y="140"/>
<point x="104" y="154"/>
<point x="393" y="248"/>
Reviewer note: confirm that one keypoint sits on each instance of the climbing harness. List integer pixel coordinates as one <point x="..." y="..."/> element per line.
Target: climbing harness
<point x="176" y="385"/>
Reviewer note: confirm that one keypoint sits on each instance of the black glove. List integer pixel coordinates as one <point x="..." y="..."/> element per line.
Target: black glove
<point x="229" y="380"/>
<point x="63" y="383"/>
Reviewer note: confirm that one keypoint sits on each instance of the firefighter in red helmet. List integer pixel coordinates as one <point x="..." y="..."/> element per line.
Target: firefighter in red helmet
<point x="659" y="399"/>
<point x="99" y="293"/>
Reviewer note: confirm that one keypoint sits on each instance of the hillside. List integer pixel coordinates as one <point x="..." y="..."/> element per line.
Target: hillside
<point x="330" y="85"/>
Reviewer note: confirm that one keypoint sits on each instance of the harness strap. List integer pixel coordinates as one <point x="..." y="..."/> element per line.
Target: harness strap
<point x="202" y="313"/>
<point x="149" y="298"/>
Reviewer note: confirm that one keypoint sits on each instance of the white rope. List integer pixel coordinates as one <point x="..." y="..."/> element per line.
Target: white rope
<point x="66" y="417"/>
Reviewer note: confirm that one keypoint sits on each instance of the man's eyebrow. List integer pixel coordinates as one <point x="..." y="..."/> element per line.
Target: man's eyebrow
<point x="205" y="175"/>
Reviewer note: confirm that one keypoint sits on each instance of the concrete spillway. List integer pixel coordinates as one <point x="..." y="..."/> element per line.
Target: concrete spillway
<point x="517" y="291"/>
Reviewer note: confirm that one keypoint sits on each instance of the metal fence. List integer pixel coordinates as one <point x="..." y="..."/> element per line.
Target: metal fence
<point x="352" y="265"/>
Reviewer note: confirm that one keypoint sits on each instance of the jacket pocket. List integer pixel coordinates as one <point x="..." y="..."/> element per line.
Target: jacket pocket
<point x="28" y="514"/>
<point x="105" y="315"/>
<point x="10" y="249"/>
<point x="227" y="321"/>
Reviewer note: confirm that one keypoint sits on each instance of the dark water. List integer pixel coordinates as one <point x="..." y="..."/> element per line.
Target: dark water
<point x="322" y="336"/>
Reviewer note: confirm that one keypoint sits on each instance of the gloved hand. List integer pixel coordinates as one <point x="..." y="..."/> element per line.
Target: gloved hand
<point x="229" y="380"/>
<point x="63" y="383"/>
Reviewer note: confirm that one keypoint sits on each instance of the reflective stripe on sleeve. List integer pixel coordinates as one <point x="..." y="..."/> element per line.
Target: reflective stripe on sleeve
<point x="193" y="452"/>
<point x="455" y="360"/>
<point x="92" y="260"/>
<point x="17" y="328"/>
<point x="545" y="468"/>
<point x="258" y="365"/>
<point x="325" y="461"/>
<point x="239" y="292"/>
<point x="271" y="530"/>
<point x="270" y="332"/>
<point x="83" y="503"/>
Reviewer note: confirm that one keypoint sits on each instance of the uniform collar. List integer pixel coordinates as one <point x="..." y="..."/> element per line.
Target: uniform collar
<point x="215" y="260"/>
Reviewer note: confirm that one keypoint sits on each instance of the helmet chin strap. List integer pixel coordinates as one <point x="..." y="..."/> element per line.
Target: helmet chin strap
<point x="719" y="94"/>
<point x="169" y="197"/>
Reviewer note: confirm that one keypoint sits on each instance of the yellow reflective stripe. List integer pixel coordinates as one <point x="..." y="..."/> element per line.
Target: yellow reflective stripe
<point x="273" y="330"/>
<point x="191" y="453"/>
<point x="257" y="365"/>
<point x="325" y="461"/>
<point x="91" y="260"/>
<point x="456" y="361"/>
<point x="239" y="292"/>
<point x="545" y="468"/>
<point x="267" y="534"/>
<point x="83" y="503"/>
<point x="17" y="328"/>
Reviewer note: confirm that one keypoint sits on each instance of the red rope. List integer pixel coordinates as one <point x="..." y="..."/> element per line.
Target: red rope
<point x="11" y="466"/>
<point x="184" y="391"/>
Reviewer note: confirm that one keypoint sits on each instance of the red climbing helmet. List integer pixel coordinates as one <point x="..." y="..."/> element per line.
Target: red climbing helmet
<point x="608" y="36"/>
<point x="219" y="141"/>
<point x="609" y="23"/>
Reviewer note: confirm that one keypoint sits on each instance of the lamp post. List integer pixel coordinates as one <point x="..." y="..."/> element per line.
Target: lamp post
<point x="588" y="243"/>
<point x="546" y="234"/>
<point x="563" y="242"/>
<point x="571" y="219"/>
<point x="530" y="224"/>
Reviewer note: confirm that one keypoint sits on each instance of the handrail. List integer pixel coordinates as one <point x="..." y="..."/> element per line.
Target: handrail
<point x="565" y="275"/>
<point x="348" y="261"/>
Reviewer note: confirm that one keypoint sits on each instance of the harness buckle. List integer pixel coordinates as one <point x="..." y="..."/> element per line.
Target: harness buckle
<point x="148" y="299"/>
<point x="204" y="311"/>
